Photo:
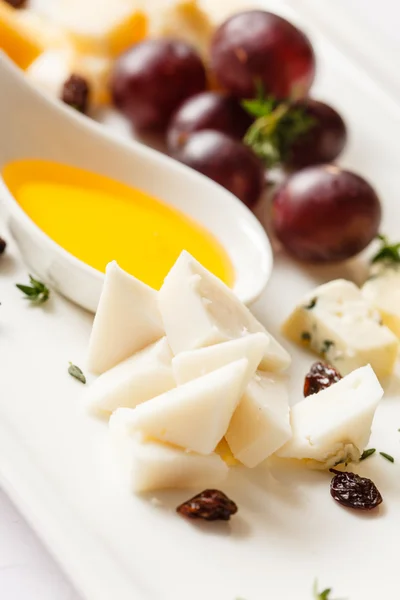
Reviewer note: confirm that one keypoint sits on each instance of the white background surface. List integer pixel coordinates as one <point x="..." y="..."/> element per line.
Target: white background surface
<point x="27" y="572"/>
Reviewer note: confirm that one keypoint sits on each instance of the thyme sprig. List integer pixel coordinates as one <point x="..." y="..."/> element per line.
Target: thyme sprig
<point x="76" y="372"/>
<point x="37" y="292"/>
<point x="388" y="253"/>
<point x="276" y="127"/>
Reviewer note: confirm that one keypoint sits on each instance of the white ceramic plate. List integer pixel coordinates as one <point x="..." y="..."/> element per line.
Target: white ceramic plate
<point x="55" y="466"/>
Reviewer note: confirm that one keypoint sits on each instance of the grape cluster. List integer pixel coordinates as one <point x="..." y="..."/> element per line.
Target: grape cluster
<point x="261" y="116"/>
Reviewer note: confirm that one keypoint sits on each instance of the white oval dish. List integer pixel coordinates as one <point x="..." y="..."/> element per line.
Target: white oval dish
<point x="34" y="126"/>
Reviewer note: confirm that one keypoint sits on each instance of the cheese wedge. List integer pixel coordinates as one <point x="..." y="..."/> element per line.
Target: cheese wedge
<point x="195" y="363"/>
<point x="100" y="26"/>
<point x="382" y="291"/>
<point x="336" y="322"/>
<point x="143" y="376"/>
<point x="184" y="20"/>
<point x="194" y="416"/>
<point x="148" y="465"/>
<point x="261" y="423"/>
<point x="334" y="425"/>
<point x="199" y="310"/>
<point x="127" y="320"/>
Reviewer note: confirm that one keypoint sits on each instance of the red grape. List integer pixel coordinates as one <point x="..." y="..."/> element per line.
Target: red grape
<point x="208" y="110"/>
<point x="325" y="139"/>
<point x="226" y="161"/>
<point x="153" y="78"/>
<point x="325" y="214"/>
<point x="258" y="47"/>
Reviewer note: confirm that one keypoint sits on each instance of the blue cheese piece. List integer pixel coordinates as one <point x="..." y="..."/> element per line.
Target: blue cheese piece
<point x="336" y="322"/>
<point x="382" y="291"/>
<point x="334" y="425"/>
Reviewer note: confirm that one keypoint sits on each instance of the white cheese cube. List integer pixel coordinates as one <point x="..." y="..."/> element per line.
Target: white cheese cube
<point x="335" y="424"/>
<point x="194" y="416"/>
<point x="143" y="376"/>
<point x="195" y="363"/>
<point x="199" y="310"/>
<point x="382" y="291"/>
<point x="150" y="465"/>
<point x="127" y="320"/>
<point x="261" y="423"/>
<point x="336" y="322"/>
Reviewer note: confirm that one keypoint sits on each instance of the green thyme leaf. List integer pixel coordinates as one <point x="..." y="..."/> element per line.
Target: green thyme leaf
<point x="367" y="453"/>
<point x="37" y="292"/>
<point x="259" y="107"/>
<point x="387" y="456"/>
<point x="388" y="253"/>
<point x="275" y="129"/>
<point x="305" y="336"/>
<point x="324" y="595"/>
<point x="76" y="372"/>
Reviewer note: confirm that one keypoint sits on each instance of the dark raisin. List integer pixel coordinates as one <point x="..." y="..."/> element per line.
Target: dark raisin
<point x="3" y="245"/>
<point x="17" y="3"/>
<point x="75" y="93"/>
<point x="210" y="505"/>
<point x="354" y="491"/>
<point x="319" y="377"/>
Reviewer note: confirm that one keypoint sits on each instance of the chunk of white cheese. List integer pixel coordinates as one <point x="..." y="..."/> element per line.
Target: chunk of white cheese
<point x="334" y="425"/>
<point x="199" y="310"/>
<point x="127" y="320"/>
<point x="382" y="291"/>
<point x="336" y="322"/>
<point x="194" y="416"/>
<point x="195" y="363"/>
<point x="183" y="20"/>
<point x="150" y="465"/>
<point x="261" y="423"/>
<point x="143" y="376"/>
